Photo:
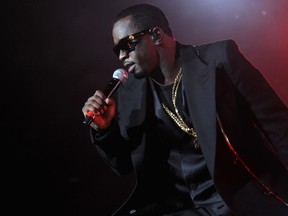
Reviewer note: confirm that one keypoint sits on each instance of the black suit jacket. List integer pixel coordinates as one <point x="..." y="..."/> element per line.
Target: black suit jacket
<point x="250" y="174"/>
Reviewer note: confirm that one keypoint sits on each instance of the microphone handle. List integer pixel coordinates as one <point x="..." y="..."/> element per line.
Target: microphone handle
<point x="111" y="87"/>
<point x="89" y="118"/>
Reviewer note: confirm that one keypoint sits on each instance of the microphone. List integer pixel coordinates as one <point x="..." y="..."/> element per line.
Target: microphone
<point x="119" y="77"/>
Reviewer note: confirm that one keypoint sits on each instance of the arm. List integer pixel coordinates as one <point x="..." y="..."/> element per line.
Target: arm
<point x="270" y="113"/>
<point x="105" y="133"/>
<point x="113" y="148"/>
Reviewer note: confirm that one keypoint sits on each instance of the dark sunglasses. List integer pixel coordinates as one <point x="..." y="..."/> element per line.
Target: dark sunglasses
<point x="129" y="43"/>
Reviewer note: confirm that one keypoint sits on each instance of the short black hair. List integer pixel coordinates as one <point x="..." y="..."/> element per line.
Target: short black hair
<point x="146" y="16"/>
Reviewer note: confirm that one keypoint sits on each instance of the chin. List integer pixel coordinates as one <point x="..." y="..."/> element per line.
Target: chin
<point x="139" y="75"/>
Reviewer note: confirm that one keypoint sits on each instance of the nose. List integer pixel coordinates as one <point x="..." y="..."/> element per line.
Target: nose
<point x="122" y="55"/>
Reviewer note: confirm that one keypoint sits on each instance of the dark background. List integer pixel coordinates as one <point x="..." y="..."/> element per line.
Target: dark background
<point x="60" y="53"/>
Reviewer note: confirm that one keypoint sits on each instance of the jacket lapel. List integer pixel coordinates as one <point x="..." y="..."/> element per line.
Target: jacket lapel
<point x="199" y="84"/>
<point x="132" y="109"/>
<point x="132" y="113"/>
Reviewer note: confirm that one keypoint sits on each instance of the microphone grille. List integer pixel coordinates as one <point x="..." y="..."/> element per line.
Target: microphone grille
<point x="120" y="74"/>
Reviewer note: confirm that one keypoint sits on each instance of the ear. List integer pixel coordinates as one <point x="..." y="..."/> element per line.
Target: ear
<point x="157" y="35"/>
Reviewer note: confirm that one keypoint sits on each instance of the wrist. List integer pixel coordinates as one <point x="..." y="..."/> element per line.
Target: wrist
<point x="103" y="129"/>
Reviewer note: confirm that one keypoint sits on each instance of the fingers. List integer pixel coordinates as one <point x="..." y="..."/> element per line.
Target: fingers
<point x="101" y="109"/>
<point x="96" y="104"/>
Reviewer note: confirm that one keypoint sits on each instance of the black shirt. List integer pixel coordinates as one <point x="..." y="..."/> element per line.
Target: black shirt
<point x="187" y="164"/>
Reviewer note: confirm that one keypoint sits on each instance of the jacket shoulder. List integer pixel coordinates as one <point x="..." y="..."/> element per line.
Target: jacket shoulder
<point x="226" y="42"/>
<point x="217" y="51"/>
<point x="217" y="46"/>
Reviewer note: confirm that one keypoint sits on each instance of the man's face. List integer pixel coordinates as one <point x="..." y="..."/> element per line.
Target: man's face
<point x="137" y="51"/>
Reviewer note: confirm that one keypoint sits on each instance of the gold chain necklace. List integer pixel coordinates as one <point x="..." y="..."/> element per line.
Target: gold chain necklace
<point x="176" y="117"/>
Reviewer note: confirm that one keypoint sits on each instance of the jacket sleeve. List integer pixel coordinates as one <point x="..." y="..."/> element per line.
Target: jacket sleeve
<point x="113" y="149"/>
<point x="270" y="113"/>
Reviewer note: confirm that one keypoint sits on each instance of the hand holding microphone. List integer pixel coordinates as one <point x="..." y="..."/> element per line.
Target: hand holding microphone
<point x="100" y="109"/>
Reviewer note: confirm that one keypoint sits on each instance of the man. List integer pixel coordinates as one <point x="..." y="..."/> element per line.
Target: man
<point x="203" y="131"/>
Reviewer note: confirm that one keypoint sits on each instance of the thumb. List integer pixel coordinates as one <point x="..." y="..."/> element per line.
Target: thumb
<point x="109" y="101"/>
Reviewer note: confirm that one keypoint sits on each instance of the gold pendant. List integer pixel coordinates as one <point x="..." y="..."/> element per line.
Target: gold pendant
<point x="196" y="144"/>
